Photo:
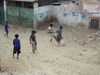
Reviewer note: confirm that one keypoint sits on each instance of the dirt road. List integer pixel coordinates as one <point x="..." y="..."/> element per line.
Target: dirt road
<point x="77" y="55"/>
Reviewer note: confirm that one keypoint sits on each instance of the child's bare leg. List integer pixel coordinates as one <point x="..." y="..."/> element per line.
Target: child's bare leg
<point x="55" y="37"/>
<point x="33" y="48"/>
<point x="50" y="40"/>
<point x="17" y="56"/>
<point x="13" y="55"/>
<point x="7" y="34"/>
<point x="59" y="42"/>
<point x="33" y="51"/>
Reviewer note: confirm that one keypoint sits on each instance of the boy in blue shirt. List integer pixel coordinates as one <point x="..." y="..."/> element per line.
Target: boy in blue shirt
<point x="17" y="46"/>
<point x="6" y="29"/>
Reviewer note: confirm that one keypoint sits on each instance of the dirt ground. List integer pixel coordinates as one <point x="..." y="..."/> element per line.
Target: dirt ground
<point x="77" y="55"/>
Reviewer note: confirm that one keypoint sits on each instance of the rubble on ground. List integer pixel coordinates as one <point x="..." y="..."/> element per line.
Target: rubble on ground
<point x="94" y="36"/>
<point x="82" y="43"/>
<point x="75" y="39"/>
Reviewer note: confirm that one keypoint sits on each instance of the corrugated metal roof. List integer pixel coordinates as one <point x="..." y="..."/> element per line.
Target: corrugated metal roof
<point x="41" y="2"/>
<point x="46" y="1"/>
<point x="24" y="0"/>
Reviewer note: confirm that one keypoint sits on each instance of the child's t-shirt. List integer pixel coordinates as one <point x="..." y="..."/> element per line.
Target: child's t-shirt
<point x="59" y="31"/>
<point x="32" y="37"/>
<point x="16" y="42"/>
<point x="50" y="29"/>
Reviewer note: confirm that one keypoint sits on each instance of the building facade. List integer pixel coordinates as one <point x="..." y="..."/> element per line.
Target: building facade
<point x="31" y="13"/>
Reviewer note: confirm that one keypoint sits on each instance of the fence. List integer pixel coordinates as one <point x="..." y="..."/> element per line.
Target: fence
<point x="20" y="16"/>
<point x="2" y="16"/>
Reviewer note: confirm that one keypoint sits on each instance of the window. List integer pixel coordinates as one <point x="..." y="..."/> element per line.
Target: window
<point x="1" y="3"/>
<point x="28" y="4"/>
<point x="20" y="4"/>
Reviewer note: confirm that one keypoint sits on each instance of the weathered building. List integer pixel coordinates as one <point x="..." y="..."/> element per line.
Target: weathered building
<point x="20" y="12"/>
<point x="81" y="13"/>
<point x="31" y="13"/>
<point x="24" y="12"/>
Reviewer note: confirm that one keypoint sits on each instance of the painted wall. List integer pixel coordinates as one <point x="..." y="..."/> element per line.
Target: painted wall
<point x="44" y="13"/>
<point x="68" y="14"/>
<point x="92" y="1"/>
<point x="91" y="9"/>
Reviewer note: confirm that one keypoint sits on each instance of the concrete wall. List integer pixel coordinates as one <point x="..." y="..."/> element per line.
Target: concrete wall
<point x="91" y="1"/>
<point x="44" y="13"/>
<point x="70" y="14"/>
<point x="91" y="9"/>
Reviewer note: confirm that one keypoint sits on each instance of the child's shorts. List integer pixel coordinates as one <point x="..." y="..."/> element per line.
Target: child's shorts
<point x="16" y="50"/>
<point x="6" y="30"/>
<point x="58" y="38"/>
<point x="50" y="34"/>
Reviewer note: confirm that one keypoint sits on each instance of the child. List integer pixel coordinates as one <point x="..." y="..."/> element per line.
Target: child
<point x="17" y="46"/>
<point x="33" y="41"/>
<point x="6" y="29"/>
<point x="59" y="35"/>
<point x="51" y="32"/>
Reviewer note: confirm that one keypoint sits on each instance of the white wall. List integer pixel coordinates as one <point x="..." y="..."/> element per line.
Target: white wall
<point x="44" y="12"/>
<point x="65" y="14"/>
<point x="69" y="14"/>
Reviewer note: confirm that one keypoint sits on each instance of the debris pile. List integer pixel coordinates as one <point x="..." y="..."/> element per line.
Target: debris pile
<point x="94" y="36"/>
<point x="82" y="43"/>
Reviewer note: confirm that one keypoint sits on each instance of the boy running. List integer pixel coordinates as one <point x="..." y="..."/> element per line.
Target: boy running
<point x="51" y="32"/>
<point x="17" y="46"/>
<point x="33" y="41"/>
<point x="59" y="35"/>
<point x="6" y="29"/>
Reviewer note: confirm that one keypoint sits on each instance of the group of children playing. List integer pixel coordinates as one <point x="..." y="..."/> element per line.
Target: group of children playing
<point x="52" y="35"/>
<point x="32" y="39"/>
